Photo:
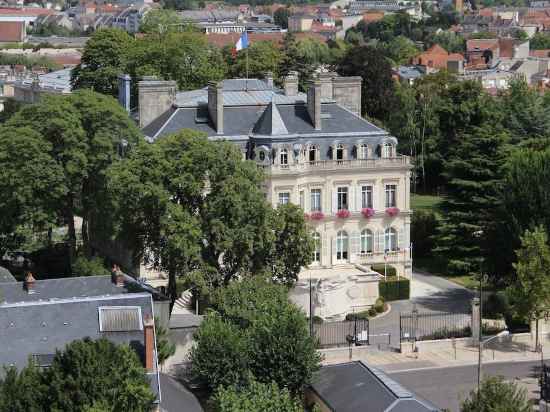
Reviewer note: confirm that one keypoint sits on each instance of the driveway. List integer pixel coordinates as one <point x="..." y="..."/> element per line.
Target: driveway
<point x="428" y="294"/>
<point x="175" y="397"/>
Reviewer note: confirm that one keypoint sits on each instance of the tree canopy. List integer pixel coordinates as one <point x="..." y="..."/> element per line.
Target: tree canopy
<point x="86" y="375"/>
<point x="497" y="395"/>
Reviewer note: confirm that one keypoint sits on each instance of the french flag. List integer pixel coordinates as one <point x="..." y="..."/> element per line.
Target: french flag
<point x="243" y="42"/>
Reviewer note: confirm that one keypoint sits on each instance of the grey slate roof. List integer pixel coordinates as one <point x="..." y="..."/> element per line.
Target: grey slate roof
<point x="77" y="287"/>
<point x="354" y="386"/>
<point x="270" y="122"/>
<point x="242" y="121"/>
<point x="6" y="276"/>
<point x="40" y="327"/>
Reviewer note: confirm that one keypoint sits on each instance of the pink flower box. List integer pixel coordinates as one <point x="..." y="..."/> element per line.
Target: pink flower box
<point x="343" y="213"/>
<point x="367" y="212"/>
<point x="392" y="211"/>
<point x="317" y="215"/>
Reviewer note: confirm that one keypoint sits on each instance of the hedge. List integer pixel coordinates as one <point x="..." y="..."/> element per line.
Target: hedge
<point x="394" y="289"/>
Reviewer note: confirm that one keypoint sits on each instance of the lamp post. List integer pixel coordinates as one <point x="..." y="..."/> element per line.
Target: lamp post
<point x="481" y="343"/>
<point x="478" y="234"/>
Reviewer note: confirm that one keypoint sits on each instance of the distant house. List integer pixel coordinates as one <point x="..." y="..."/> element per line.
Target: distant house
<point x="23" y="14"/>
<point x="436" y="57"/>
<point x="230" y="39"/>
<point x="39" y="317"/>
<point x="29" y="90"/>
<point x="408" y="74"/>
<point x="12" y="31"/>
<point x="354" y="386"/>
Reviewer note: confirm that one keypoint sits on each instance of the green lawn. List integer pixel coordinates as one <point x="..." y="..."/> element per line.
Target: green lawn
<point x="425" y="202"/>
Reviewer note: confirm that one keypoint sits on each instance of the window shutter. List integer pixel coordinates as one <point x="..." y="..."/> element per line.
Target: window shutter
<point x="358" y="198"/>
<point x="333" y="251"/>
<point x="400" y="239"/>
<point x="334" y="201"/>
<point x="352" y="202"/>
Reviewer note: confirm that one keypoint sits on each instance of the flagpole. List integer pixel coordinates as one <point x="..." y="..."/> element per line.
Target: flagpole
<point x="246" y="81"/>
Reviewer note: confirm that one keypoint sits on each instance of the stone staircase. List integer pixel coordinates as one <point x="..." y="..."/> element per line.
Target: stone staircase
<point x="184" y="304"/>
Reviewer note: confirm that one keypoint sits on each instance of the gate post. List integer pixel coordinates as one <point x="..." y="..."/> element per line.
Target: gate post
<point x="476" y="321"/>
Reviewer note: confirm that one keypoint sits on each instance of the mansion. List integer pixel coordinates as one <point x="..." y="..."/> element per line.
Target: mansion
<point x="319" y="153"/>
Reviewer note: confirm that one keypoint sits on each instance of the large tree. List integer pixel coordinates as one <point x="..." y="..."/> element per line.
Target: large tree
<point x="263" y="57"/>
<point x="105" y="56"/>
<point x="255" y="332"/>
<point x="81" y="135"/>
<point x="378" y="87"/>
<point x="87" y="374"/>
<point x="189" y="204"/>
<point x="472" y="173"/>
<point x="531" y="290"/>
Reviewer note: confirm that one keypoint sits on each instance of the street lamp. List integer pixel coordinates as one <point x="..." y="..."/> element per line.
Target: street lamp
<point x="481" y="343"/>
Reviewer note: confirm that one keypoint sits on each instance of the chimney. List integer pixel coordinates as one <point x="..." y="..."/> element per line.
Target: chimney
<point x="149" y="342"/>
<point x="314" y="103"/>
<point x="326" y="85"/>
<point x="155" y="98"/>
<point x="269" y="79"/>
<point x="215" y="105"/>
<point x="346" y="91"/>
<point x="124" y="91"/>
<point x="29" y="283"/>
<point x="290" y="84"/>
<point x="117" y="276"/>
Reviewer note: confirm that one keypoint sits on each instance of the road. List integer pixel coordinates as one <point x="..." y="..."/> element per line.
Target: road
<point x="428" y="294"/>
<point x="446" y="387"/>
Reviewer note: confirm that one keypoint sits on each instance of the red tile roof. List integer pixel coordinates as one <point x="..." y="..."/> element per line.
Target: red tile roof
<point x="25" y="11"/>
<point x="539" y="53"/>
<point x="481" y="44"/>
<point x="12" y="31"/>
<point x="455" y="57"/>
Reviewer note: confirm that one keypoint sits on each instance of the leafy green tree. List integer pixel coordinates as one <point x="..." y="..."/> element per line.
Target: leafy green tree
<point x="255" y="332"/>
<point x="87" y="375"/>
<point x="32" y="184"/>
<point x="255" y="397"/>
<point x="524" y="203"/>
<point x="483" y="35"/>
<point x="472" y="173"/>
<point x="293" y="60"/>
<point x="11" y="106"/>
<point x="450" y="41"/>
<point x="94" y="266"/>
<point x="293" y="246"/>
<point x="378" y="87"/>
<point x="424" y="225"/>
<point x="24" y="391"/>
<point x="87" y="371"/>
<point x="83" y="134"/>
<point x="219" y="356"/>
<point x="532" y="287"/>
<point x="400" y="50"/>
<point x="497" y="395"/>
<point x="527" y="117"/>
<point x="165" y="348"/>
<point x="540" y="41"/>
<point x="263" y="57"/>
<point x="280" y="17"/>
<point x="160" y="21"/>
<point x="105" y="56"/>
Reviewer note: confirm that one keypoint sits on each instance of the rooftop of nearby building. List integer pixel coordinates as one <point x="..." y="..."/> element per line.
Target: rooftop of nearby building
<point x="25" y="11"/>
<point x="59" y="80"/>
<point x="12" y="31"/>
<point x="355" y="386"/>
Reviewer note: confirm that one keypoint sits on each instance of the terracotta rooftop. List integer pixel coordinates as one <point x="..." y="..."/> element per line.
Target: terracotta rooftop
<point x="12" y="31"/>
<point x="25" y="11"/>
<point x="481" y="44"/>
<point x="456" y="57"/>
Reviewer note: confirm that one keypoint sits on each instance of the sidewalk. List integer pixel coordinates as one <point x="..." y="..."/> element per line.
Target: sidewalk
<point x="435" y="358"/>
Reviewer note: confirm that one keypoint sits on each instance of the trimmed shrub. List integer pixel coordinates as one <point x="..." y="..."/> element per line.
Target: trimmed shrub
<point x="379" y="306"/>
<point x="372" y="312"/>
<point x="394" y="289"/>
<point x="390" y="270"/>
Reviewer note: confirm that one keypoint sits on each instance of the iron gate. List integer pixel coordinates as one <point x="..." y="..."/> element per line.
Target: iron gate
<point x="342" y="333"/>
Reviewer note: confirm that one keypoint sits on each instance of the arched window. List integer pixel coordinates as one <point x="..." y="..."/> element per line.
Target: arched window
<point x="388" y="151"/>
<point x="339" y="155"/>
<point x="342" y="245"/>
<point x="317" y="251"/>
<point x="390" y="239"/>
<point x="312" y="154"/>
<point x="366" y="242"/>
<point x="283" y="157"/>
<point x="363" y="151"/>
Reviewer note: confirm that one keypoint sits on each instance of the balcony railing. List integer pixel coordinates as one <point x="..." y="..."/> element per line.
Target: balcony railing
<point x="393" y="256"/>
<point x="398" y="161"/>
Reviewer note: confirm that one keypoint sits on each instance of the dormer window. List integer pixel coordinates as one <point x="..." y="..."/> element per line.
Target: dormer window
<point x="261" y="156"/>
<point x="339" y="152"/>
<point x="283" y="157"/>
<point x="388" y="151"/>
<point x="312" y="154"/>
<point x="363" y="151"/>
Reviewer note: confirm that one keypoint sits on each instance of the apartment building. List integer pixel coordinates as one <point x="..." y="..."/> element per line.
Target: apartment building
<point x="319" y="153"/>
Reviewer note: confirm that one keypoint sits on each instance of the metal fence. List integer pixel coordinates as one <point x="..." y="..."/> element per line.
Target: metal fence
<point x="342" y="333"/>
<point x="417" y="326"/>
